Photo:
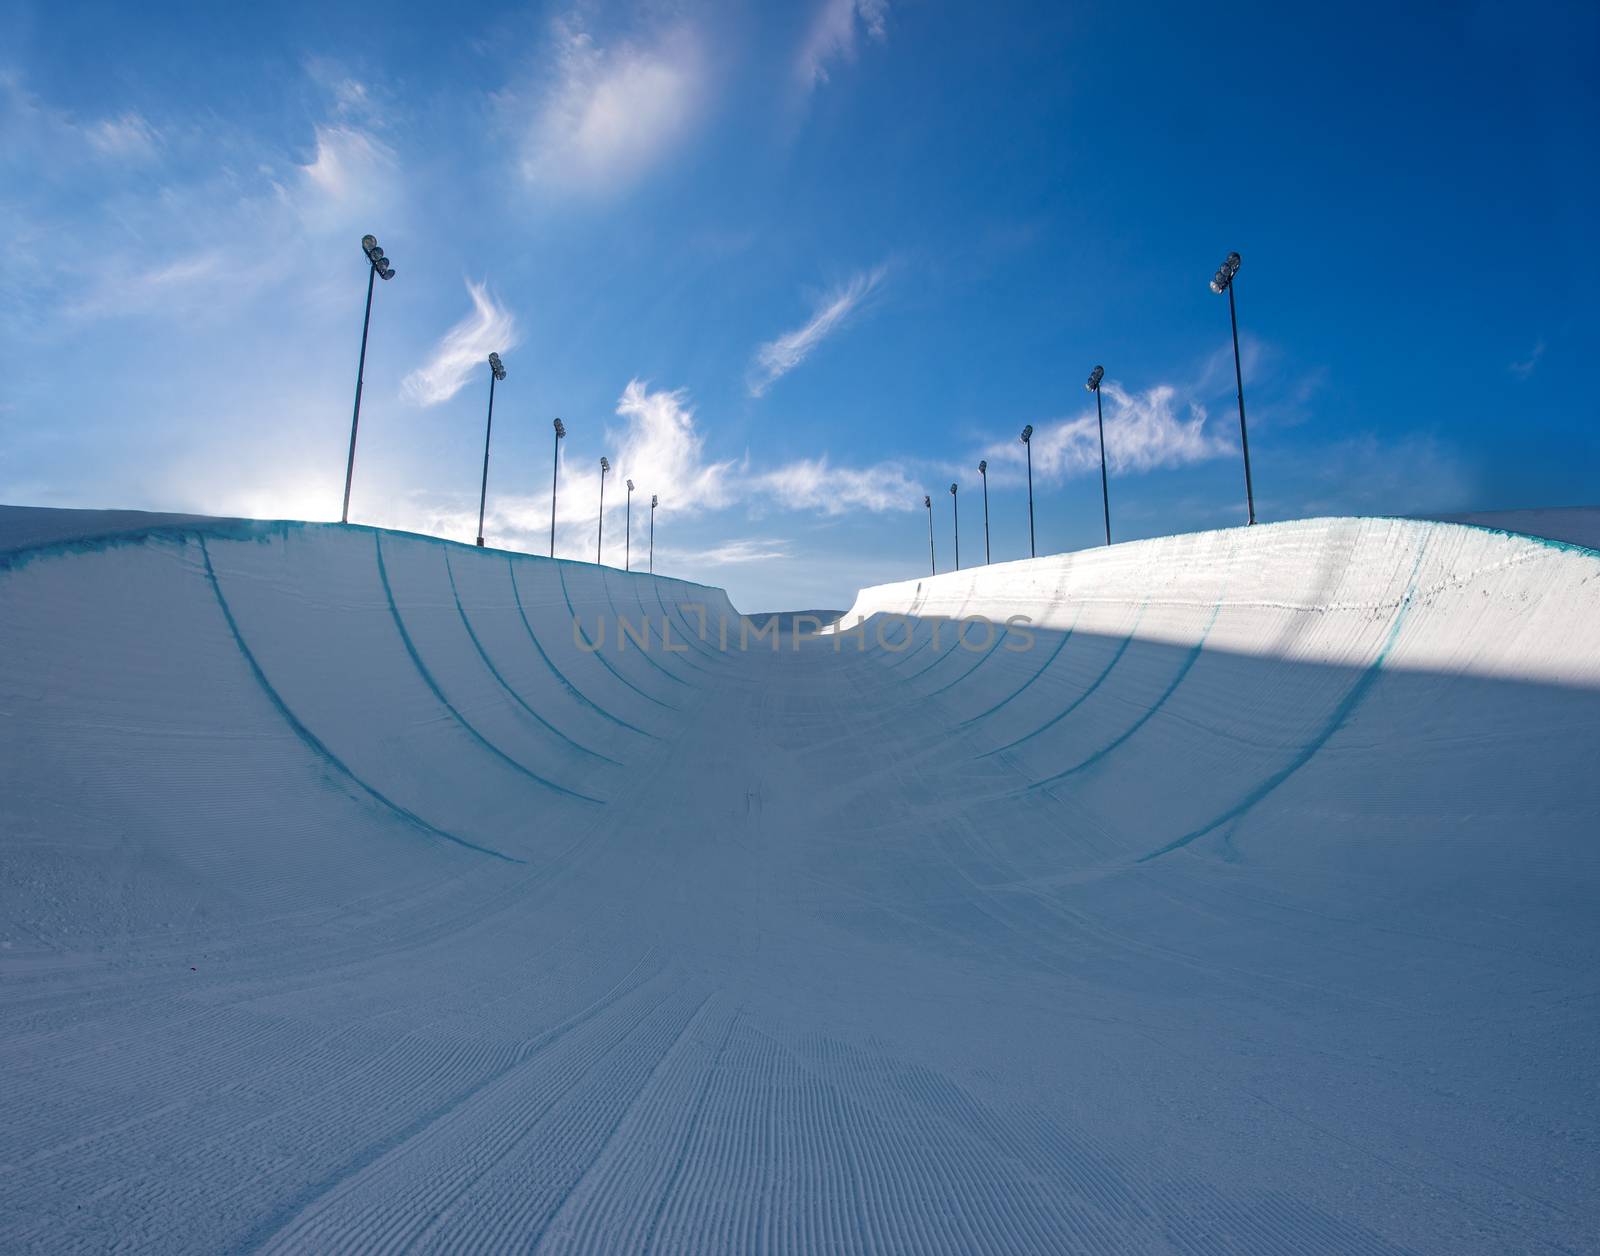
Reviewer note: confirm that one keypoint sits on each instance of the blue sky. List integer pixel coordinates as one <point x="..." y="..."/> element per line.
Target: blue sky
<point x="791" y="266"/>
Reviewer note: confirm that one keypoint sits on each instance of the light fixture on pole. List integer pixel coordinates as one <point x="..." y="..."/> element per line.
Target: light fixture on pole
<point x="1027" y="441"/>
<point x="496" y="372"/>
<point x="653" y="501"/>
<point x="600" y="533"/>
<point x="377" y="266"/>
<point x="983" y="470"/>
<point x="555" y="471"/>
<point x="956" y="509"/>
<point x="1095" y="376"/>
<point x="1221" y="282"/>
<point x="627" y="542"/>
<point x="933" y="565"/>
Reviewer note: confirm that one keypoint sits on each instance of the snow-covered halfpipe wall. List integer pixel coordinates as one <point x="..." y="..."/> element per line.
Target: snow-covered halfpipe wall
<point x="1237" y="895"/>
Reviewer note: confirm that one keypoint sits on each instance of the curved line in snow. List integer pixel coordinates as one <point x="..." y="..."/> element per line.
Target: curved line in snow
<point x="557" y="672"/>
<point x="315" y="743"/>
<point x="466" y="724"/>
<point x="501" y="680"/>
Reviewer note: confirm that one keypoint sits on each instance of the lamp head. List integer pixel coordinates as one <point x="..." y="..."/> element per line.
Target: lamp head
<point x="927" y="501"/>
<point x="630" y="486"/>
<point x="561" y="429"/>
<point x="604" y="466"/>
<point x="1027" y="434"/>
<point x="1095" y="376"/>
<point x="1225" y="273"/>
<point x="952" y="490"/>
<point x="495" y="367"/>
<point x="653" y="500"/>
<point x="368" y="243"/>
<point x="983" y="467"/>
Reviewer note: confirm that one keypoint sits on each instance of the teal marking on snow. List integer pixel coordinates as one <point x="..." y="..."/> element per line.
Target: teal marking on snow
<point x="1192" y="658"/>
<point x="599" y="653"/>
<point x="617" y="616"/>
<point x="689" y="651"/>
<point x="915" y="650"/>
<point x="1067" y="636"/>
<point x="693" y="633"/>
<point x="315" y="743"/>
<point x="466" y="724"/>
<point x="946" y="653"/>
<point x="559" y="675"/>
<point x="501" y="680"/>
<point x="1080" y="699"/>
<point x="982" y="658"/>
<point x="1336" y="721"/>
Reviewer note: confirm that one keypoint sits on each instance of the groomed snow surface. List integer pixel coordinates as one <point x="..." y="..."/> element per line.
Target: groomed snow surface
<point x="350" y="904"/>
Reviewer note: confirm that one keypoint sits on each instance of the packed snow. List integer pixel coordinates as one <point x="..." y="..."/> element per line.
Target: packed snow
<point x="1239" y="897"/>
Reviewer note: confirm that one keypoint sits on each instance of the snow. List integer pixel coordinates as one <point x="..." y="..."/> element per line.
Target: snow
<point x="1578" y="525"/>
<point x="348" y="902"/>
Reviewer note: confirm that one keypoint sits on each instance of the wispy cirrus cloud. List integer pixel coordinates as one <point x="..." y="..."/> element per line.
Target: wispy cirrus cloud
<point x="738" y="552"/>
<point x="833" y="35"/>
<point x="816" y="484"/>
<point x="127" y="137"/>
<point x="1526" y="367"/>
<point x="490" y="328"/>
<point x="778" y="357"/>
<point x="1144" y="431"/>
<point x="604" y="115"/>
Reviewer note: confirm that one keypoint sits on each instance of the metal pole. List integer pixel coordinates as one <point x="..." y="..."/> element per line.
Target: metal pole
<point x="555" y="472"/>
<point x="600" y="534"/>
<point x="984" y="472"/>
<point x="1105" y="499"/>
<point x="488" y="428"/>
<point x="933" y="563"/>
<point x="1244" y="436"/>
<point x="955" y="506"/>
<point x="627" y="543"/>
<point x="652" y="536"/>
<point x="361" y="370"/>
<point x="1033" y="551"/>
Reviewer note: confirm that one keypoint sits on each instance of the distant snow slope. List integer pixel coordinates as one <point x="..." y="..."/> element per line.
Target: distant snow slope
<point x="349" y="900"/>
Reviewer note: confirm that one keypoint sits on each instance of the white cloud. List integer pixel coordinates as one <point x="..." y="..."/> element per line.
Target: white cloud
<point x="490" y="328"/>
<point x="815" y="484"/>
<point x="661" y="449"/>
<point x="128" y="138"/>
<point x="1143" y="432"/>
<point x="735" y="553"/>
<point x="833" y="36"/>
<point x="351" y="177"/>
<point x="1525" y="368"/>
<point x="777" y="358"/>
<point x="612" y="113"/>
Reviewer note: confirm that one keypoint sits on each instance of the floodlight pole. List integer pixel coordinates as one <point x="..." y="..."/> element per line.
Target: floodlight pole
<point x="1223" y="282"/>
<point x="956" y="509"/>
<point x="600" y="533"/>
<point x="627" y="543"/>
<point x="377" y="264"/>
<point x="355" y="419"/>
<point x="933" y="563"/>
<point x="1093" y="386"/>
<point x="555" y="473"/>
<point x="652" y="534"/>
<point x="1027" y="441"/>
<point x="983" y="470"/>
<point x="1238" y="380"/>
<point x="495" y="373"/>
